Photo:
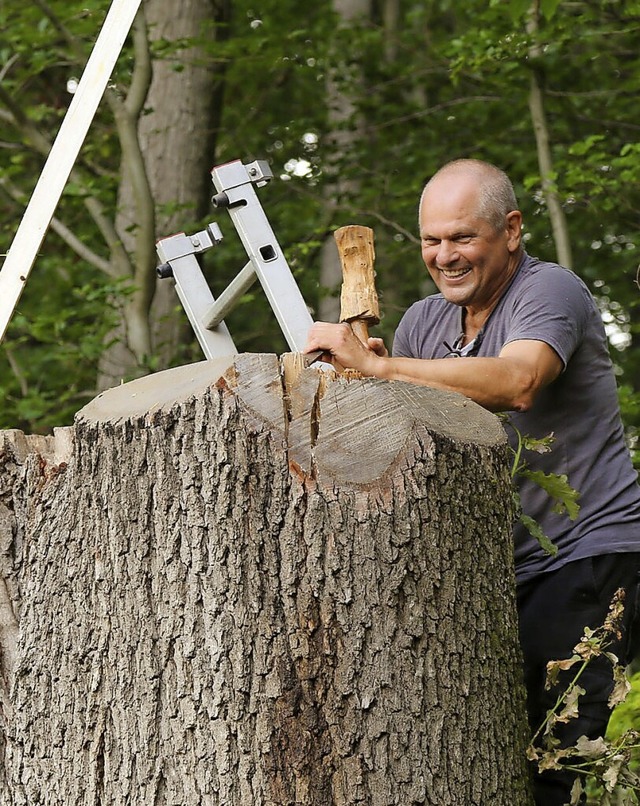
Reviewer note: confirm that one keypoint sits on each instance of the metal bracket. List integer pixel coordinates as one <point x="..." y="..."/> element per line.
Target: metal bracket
<point x="178" y="256"/>
<point x="234" y="183"/>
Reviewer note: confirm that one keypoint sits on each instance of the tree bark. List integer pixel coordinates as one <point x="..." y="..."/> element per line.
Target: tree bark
<point x="241" y="586"/>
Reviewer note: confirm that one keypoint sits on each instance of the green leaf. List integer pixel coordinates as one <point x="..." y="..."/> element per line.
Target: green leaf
<point x="516" y="8"/>
<point x="535" y="530"/>
<point x="549" y="8"/>
<point x="582" y="147"/>
<point x="558" y="488"/>
<point x="540" y="445"/>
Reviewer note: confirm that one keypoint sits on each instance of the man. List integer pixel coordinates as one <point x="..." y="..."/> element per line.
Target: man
<point x="522" y="336"/>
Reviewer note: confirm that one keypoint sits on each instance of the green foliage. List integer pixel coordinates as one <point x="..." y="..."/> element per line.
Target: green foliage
<point x="62" y="342"/>
<point x="48" y="361"/>
<point x="626" y="715"/>
<point x="556" y="485"/>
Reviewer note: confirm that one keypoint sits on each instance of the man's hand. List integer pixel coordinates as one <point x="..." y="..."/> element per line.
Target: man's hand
<point x="340" y="344"/>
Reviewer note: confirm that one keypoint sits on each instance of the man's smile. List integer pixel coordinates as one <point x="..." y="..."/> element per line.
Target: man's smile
<point x="454" y="274"/>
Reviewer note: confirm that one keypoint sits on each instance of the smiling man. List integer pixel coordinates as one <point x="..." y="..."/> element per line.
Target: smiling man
<point x="524" y="336"/>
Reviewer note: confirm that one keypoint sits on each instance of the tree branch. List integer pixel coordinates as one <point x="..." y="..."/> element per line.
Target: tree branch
<point x="6" y="67"/>
<point x="142" y="71"/>
<point x="22" y="122"/>
<point x="17" y="371"/>
<point x="43" y="146"/>
<point x="81" y="249"/>
<point x="121" y="263"/>
<point x="126" y="115"/>
<point x="72" y="241"/>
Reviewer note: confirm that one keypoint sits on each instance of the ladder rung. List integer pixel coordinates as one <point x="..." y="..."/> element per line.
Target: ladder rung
<point x="227" y="301"/>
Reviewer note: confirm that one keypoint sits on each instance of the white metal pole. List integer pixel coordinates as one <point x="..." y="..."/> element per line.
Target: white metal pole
<point x="63" y="154"/>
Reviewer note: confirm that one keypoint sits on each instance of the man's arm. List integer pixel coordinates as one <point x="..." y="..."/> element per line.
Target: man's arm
<point x="509" y="382"/>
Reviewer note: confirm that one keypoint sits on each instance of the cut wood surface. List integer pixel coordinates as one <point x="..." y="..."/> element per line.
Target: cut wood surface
<point x="242" y="590"/>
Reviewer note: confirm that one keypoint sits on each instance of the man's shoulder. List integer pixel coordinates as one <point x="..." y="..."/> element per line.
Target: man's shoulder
<point x="535" y="270"/>
<point x="428" y="307"/>
<point x="545" y="283"/>
<point x="432" y="302"/>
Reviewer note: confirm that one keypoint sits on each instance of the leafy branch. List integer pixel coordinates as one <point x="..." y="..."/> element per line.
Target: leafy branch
<point x="605" y="763"/>
<point x="555" y="485"/>
<point x="126" y="113"/>
<point x="73" y="242"/>
<point x="41" y="144"/>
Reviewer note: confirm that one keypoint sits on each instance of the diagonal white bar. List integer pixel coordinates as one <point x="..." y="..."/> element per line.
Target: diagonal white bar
<point x="63" y="154"/>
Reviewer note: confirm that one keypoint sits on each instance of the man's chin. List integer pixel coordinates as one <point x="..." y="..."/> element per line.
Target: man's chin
<point x="457" y="296"/>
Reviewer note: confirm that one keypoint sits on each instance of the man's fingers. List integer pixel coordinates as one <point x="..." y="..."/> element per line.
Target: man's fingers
<point x="317" y="355"/>
<point x="377" y="345"/>
<point x="336" y="344"/>
<point x="326" y="336"/>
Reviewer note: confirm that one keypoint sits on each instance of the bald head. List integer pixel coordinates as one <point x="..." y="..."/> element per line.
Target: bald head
<point x="495" y="194"/>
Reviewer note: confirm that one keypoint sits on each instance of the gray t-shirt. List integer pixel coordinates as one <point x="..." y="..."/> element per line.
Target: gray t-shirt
<point x="548" y="303"/>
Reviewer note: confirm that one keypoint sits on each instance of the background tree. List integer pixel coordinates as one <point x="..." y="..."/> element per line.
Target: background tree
<point x="167" y="143"/>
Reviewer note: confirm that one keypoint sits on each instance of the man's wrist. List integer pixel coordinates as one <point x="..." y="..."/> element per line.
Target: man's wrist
<point x="380" y="367"/>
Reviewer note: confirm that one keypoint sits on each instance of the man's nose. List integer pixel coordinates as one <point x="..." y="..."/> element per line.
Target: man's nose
<point x="447" y="253"/>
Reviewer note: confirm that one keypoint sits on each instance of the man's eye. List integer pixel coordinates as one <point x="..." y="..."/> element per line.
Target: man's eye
<point x="430" y="242"/>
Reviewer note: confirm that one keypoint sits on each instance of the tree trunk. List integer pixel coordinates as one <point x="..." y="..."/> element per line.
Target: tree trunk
<point x="345" y="130"/>
<point x="244" y="587"/>
<point x="557" y="217"/>
<point x="177" y="134"/>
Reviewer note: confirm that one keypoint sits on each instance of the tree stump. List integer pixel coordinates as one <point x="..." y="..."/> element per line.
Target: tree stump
<point x="240" y="586"/>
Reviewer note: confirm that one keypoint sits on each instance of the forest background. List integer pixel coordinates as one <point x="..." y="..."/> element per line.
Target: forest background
<point x="354" y="104"/>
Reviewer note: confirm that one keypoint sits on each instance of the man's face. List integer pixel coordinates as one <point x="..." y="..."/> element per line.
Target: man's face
<point x="469" y="261"/>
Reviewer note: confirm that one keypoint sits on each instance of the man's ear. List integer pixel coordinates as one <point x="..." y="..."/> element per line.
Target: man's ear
<point x="514" y="230"/>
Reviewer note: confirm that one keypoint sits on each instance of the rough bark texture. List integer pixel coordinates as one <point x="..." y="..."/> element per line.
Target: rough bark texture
<point x="238" y="591"/>
<point x="25" y="464"/>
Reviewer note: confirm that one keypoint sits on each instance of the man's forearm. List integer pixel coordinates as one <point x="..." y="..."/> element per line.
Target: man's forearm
<point x="497" y="384"/>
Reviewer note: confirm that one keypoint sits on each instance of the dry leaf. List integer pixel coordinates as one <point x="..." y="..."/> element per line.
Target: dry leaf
<point x="570" y="709"/>
<point x="554" y="667"/>
<point x="591" y="748"/>
<point x="621" y="686"/>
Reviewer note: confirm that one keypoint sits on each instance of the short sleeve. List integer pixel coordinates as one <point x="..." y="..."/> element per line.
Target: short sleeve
<point x="401" y="346"/>
<point x="555" y="307"/>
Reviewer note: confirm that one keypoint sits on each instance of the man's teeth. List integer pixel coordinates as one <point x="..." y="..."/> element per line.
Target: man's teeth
<point x="451" y="273"/>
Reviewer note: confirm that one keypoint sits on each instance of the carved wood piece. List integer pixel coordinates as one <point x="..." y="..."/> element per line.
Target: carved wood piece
<point x="358" y="299"/>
